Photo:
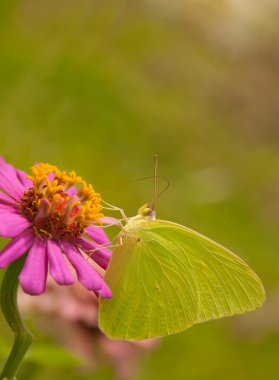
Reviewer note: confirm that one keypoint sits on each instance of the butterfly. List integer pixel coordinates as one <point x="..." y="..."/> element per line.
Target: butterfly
<point x="165" y="277"/>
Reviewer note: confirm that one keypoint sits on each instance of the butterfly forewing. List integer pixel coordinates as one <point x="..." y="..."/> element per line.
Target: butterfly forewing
<point x="168" y="277"/>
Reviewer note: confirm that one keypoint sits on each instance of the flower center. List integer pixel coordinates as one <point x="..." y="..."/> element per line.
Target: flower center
<point x="60" y="204"/>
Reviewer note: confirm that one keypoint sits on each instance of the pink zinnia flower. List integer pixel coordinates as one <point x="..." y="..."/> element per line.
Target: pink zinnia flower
<point x="52" y="216"/>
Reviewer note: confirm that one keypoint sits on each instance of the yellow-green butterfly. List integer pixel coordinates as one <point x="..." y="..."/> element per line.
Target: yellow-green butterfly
<point x="166" y="277"/>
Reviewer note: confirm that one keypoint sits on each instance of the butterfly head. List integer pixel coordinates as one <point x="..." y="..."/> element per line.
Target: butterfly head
<point x="147" y="211"/>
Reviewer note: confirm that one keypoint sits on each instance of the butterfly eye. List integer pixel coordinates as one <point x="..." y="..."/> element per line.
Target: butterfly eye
<point x="146" y="210"/>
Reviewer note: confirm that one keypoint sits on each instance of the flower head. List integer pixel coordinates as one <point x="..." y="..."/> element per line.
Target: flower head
<point x="52" y="215"/>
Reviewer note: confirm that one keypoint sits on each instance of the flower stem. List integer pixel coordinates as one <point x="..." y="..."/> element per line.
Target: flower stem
<point x="8" y="302"/>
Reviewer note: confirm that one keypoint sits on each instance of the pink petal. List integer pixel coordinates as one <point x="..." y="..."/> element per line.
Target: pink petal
<point x="105" y="292"/>
<point x="50" y="176"/>
<point x="86" y="274"/>
<point x="27" y="183"/>
<point x="58" y="268"/>
<point x="12" y="224"/>
<point x="34" y="273"/>
<point x="9" y="173"/>
<point x="72" y="191"/>
<point x="17" y="247"/>
<point x="101" y="256"/>
<point x="5" y="198"/>
<point x="10" y="188"/>
<point x="110" y="221"/>
<point x="7" y="209"/>
<point x="97" y="234"/>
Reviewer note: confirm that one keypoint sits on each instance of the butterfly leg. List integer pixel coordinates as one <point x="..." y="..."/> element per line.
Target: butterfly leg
<point x="91" y="252"/>
<point x="114" y="208"/>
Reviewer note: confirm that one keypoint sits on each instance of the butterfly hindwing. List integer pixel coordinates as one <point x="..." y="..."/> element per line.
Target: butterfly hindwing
<point x="166" y="277"/>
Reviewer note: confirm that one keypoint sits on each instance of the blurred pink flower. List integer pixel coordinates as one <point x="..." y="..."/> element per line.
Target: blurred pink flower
<point x="51" y="215"/>
<point x="70" y="314"/>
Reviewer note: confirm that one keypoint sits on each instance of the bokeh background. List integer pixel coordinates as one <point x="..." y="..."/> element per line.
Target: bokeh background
<point x="100" y="87"/>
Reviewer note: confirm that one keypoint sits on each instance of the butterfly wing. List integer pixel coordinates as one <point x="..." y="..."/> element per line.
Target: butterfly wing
<point x="166" y="277"/>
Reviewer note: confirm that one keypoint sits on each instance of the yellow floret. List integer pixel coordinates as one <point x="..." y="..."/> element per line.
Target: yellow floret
<point x="87" y="201"/>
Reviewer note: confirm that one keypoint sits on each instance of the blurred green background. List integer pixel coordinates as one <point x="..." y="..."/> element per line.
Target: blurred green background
<point x="100" y="87"/>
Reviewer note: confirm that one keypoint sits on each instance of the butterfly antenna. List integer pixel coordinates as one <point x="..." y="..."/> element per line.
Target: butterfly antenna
<point x="124" y="184"/>
<point x="165" y="189"/>
<point x="155" y="181"/>
<point x="155" y="177"/>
